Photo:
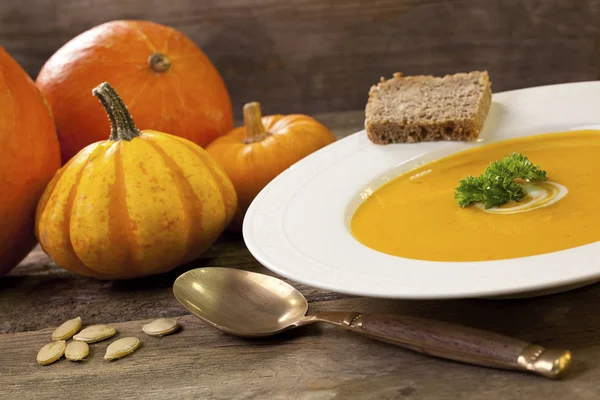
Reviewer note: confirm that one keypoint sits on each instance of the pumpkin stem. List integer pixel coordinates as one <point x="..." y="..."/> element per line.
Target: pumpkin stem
<point x="159" y="62"/>
<point x="122" y="126"/>
<point x="255" y="130"/>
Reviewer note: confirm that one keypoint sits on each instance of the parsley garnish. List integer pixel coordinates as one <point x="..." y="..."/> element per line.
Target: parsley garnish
<point x="497" y="186"/>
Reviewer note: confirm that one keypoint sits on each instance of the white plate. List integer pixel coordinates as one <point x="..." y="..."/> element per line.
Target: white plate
<point x="298" y="225"/>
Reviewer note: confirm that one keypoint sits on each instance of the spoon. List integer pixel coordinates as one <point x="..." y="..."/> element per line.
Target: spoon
<point x="249" y="304"/>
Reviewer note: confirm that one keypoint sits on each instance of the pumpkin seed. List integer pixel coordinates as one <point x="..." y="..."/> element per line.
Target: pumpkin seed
<point x="67" y="329"/>
<point x="77" y="351"/>
<point x="121" y="348"/>
<point x="51" y="352"/>
<point x="160" y="327"/>
<point x="95" y="333"/>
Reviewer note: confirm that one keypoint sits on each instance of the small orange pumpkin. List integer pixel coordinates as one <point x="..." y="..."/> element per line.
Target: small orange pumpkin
<point x="168" y="82"/>
<point x="254" y="154"/>
<point x="140" y="203"/>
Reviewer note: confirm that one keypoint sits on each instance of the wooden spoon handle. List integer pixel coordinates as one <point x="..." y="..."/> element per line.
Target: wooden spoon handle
<point x="459" y="343"/>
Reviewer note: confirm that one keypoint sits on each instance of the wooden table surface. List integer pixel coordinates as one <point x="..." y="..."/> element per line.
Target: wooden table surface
<point x="316" y="362"/>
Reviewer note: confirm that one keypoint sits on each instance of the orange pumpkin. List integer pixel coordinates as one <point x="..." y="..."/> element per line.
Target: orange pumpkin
<point x="254" y="154"/>
<point x="29" y="156"/>
<point x="140" y="203"/>
<point x="168" y="83"/>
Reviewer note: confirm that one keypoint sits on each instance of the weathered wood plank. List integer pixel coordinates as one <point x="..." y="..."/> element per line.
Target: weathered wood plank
<point x="47" y="293"/>
<point x="318" y="362"/>
<point x="39" y="295"/>
<point x="323" y="55"/>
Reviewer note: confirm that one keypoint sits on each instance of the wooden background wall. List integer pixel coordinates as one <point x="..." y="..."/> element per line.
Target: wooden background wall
<point x="322" y="55"/>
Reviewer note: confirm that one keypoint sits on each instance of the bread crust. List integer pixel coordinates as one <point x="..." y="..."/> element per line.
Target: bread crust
<point x="396" y="130"/>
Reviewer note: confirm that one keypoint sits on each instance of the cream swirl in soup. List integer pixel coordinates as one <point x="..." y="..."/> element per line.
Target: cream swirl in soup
<point x="539" y="194"/>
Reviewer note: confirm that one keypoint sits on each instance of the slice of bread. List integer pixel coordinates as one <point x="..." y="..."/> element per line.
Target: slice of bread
<point x="426" y="108"/>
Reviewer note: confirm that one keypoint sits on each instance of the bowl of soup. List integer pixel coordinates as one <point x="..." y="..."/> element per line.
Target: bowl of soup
<point x="382" y="220"/>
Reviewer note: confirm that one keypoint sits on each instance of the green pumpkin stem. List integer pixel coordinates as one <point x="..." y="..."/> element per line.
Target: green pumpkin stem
<point x="122" y="126"/>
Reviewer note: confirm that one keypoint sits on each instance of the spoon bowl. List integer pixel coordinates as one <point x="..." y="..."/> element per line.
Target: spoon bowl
<point x="249" y="304"/>
<point x="240" y="302"/>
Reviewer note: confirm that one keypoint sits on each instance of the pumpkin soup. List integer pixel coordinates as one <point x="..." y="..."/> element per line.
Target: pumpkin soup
<point x="416" y="216"/>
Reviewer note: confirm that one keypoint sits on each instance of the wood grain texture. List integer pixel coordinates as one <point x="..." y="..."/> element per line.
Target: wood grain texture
<point x="323" y="55"/>
<point x="318" y="362"/>
<point x="443" y="339"/>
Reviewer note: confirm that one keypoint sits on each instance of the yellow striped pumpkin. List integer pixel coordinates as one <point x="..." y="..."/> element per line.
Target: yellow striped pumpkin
<point x="140" y="203"/>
